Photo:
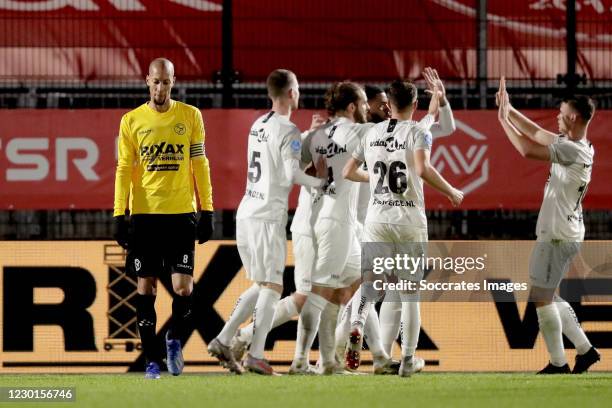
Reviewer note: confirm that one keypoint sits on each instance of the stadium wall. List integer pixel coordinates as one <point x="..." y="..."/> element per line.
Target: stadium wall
<point x="65" y="159"/>
<point x="66" y="307"/>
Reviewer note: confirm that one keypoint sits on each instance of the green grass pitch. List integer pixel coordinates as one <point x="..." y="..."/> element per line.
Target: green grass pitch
<point x="423" y="390"/>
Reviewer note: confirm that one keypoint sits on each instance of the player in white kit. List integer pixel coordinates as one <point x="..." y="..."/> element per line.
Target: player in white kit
<point x="560" y="229"/>
<point x="378" y="111"/>
<point x="337" y="265"/>
<point x="397" y="153"/>
<point x="390" y="309"/>
<point x="303" y="254"/>
<point x="273" y="166"/>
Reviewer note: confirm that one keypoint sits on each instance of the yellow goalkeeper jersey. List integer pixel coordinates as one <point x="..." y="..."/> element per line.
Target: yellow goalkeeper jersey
<point x="161" y="162"/>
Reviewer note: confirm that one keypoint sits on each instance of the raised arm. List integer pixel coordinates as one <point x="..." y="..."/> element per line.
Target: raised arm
<point x="446" y="122"/>
<point x="423" y="167"/>
<point x="431" y="176"/>
<point x="526" y="147"/>
<point x="524" y="125"/>
<point x="529" y="128"/>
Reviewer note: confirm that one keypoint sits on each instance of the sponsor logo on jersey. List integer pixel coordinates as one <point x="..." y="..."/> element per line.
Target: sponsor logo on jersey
<point x="394" y="203"/>
<point x="260" y="134"/>
<point x="163" y="167"/>
<point x="390" y="144"/>
<point x="162" y="151"/>
<point x="573" y="217"/>
<point x="331" y="150"/>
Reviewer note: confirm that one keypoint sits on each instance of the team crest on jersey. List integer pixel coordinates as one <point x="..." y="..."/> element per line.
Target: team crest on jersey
<point x="179" y="129"/>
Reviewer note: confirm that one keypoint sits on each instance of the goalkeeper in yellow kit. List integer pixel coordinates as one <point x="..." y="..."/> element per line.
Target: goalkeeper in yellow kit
<point x="161" y="164"/>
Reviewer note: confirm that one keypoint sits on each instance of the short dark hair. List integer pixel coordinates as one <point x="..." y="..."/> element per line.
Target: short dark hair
<point x="340" y="95"/>
<point x="584" y="105"/>
<point x="402" y="94"/>
<point x="279" y="81"/>
<point x="372" y="90"/>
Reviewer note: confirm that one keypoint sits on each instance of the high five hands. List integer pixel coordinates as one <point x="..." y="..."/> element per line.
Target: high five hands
<point x="502" y="100"/>
<point x="435" y="88"/>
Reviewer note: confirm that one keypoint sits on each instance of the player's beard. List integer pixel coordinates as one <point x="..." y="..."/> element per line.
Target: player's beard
<point x="157" y="102"/>
<point x="360" y="117"/>
<point x="375" y="117"/>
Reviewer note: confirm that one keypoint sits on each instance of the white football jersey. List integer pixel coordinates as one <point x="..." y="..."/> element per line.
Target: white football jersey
<point x="363" y="189"/>
<point x="438" y="129"/>
<point x="301" y="223"/>
<point x="339" y="202"/>
<point x="363" y="200"/>
<point x="570" y="173"/>
<point x="395" y="187"/>
<point x="272" y="139"/>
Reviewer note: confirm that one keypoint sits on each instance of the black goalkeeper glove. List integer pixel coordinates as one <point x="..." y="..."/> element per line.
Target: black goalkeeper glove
<point x="121" y="233"/>
<point x="205" y="227"/>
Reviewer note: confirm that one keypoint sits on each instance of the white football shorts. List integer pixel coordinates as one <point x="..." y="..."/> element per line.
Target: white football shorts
<point x="550" y="261"/>
<point x="382" y="240"/>
<point x="304" y="257"/>
<point x="338" y="254"/>
<point x="263" y="249"/>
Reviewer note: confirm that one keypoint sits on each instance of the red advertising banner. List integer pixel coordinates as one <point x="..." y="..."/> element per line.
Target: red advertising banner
<point x="58" y="159"/>
<point x="100" y="40"/>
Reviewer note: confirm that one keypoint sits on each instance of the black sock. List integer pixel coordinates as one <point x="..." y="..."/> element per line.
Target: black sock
<point x="147" y="319"/>
<point x="181" y="318"/>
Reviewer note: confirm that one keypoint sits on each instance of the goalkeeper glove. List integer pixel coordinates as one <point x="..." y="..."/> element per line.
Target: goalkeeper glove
<point x="205" y="227"/>
<point x="121" y="233"/>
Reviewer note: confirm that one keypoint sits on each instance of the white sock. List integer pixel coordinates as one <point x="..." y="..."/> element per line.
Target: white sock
<point x="344" y="326"/>
<point x="342" y="312"/>
<point x="571" y="327"/>
<point x="262" y="320"/>
<point x="308" y="326"/>
<point x="286" y="309"/>
<point x="372" y="334"/>
<point x="359" y="309"/>
<point x="243" y="309"/>
<point x="327" y="333"/>
<point x="411" y="323"/>
<point x="390" y="318"/>
<point x="550" y="327"/>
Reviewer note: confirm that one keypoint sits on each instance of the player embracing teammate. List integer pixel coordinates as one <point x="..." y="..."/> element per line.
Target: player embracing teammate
<point x="397" y="153"/>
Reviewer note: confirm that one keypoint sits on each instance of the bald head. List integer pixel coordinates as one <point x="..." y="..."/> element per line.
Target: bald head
<point x="160" y="81"/>
<point x="161" y="65"/>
